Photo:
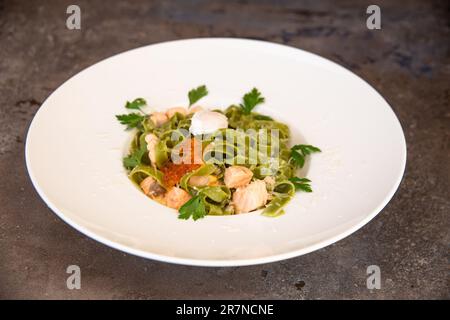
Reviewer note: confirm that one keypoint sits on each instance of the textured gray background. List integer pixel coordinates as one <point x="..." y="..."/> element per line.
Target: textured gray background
<point x="407" y="61"/>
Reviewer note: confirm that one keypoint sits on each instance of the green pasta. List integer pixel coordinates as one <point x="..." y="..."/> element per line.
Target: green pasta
<point x="140" y="172"/>
<point x="202" y="171"/>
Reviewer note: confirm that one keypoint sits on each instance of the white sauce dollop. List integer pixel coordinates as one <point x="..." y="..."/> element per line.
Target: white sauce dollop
<point x="205" y="121"/>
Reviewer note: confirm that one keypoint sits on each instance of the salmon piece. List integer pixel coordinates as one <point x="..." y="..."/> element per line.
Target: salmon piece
<point x="251" y="197"/>
<point x="237" y="176"/>
<point x="270" y="182"/>
<point x="171" y="112"/>
<point x="176" y="197"/>
<point x="201" y="181"/>
<point x="152" y="141"/>
<point x="158" y="118"/>
<point x="151" y="187"/>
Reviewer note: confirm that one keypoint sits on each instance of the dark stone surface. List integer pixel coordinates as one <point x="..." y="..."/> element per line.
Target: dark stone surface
<point x="407" y="61"/>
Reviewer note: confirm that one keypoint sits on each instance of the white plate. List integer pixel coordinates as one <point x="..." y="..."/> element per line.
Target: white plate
<point x="75" y="146"/>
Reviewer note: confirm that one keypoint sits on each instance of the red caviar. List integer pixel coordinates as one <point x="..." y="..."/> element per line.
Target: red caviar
<point x="174" y="172"/>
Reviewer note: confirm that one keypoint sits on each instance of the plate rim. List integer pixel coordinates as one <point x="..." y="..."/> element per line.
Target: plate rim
<point x="215" y="262"/>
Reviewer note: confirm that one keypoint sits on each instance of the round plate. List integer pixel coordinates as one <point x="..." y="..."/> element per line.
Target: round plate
<point x="75" y="146"/>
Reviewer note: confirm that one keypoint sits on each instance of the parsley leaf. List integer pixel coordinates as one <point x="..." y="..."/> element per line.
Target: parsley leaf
<point x="299" y="153"/>
<point x="306" y="148"/>
<point x="301" y="184"/>
<point x="196" y="94"/>
<point x="251" y="100"/>
<point x="131" y="120"/>
<point x="136" y="104"/>
<point x="297" y="158"/>
<point x="135" y="158"/>
<point x="194" y="207"/>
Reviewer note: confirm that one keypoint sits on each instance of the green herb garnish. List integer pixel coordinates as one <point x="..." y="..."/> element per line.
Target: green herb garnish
<point x="136" y="104"/>
<point x="299" y="153"/>
<point x="135" y="158"/>
<point x="251" y="100"/>
<point x="194" y="207"/>
<point x="131" y="120"/>
<point x="196" y="94"/>
<point x="301" y="184"/>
